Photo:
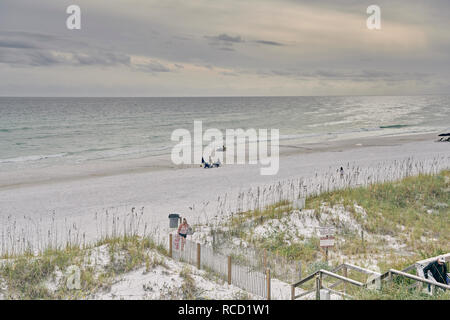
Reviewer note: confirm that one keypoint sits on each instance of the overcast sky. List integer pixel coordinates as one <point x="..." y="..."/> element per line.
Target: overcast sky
<point x="223" y="48"/>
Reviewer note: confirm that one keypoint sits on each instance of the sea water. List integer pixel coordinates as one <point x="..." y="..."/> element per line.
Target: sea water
<point x="38" y="132"/>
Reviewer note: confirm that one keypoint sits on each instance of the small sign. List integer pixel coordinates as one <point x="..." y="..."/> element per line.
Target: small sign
<point x="326" y="231"/>
<point x="299" y="204"/>
<point x="326" y="242"/>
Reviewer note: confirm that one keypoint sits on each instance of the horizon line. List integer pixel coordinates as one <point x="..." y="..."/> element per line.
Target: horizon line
<point x="234" y="96"/>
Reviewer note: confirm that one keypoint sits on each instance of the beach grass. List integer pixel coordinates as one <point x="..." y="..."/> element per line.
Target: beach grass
<point x="398" y="290"/>
<point x="29" y="277"/>
<point x="416" y="210"/>
<point x="413" y="212"/>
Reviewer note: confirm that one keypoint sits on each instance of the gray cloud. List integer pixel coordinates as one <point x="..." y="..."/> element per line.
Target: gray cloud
<point x="232" y="74"/>
<point x="15" y="44"/>
<point x="339" y="75"/>
<point x="153" y="67"/>
<point x="323" y="41"/>
<point x="32" y="58"/>
<point x="100" y="58"/>
<point x="225" y="38"/>
<point x="269" y="43"/>
<point x="37" y="49"/>
<point x="21" y="49"/>
<point x="226" y="41"/>
<point x="44" y="57"/>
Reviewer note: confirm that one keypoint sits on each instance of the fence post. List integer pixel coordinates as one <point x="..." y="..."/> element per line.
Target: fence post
<point x="318" y="285"/>
<point x="268" y="283"/>
<point x="198" y="255"/>
<point x="170" y="245"/>
<point x="229" y="269"/>
<point x="345" y="275"/>
<point x="292" y="292"/>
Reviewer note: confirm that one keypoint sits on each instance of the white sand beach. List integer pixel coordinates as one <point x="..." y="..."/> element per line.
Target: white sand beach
<point x="191" y="192"/>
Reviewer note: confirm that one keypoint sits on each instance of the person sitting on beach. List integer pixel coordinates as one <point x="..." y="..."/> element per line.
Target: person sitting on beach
<point x="207" y="165"/>
<point x="217" y="164"/>
<point x="182" y="232"/>
<point x="438" y="270"/>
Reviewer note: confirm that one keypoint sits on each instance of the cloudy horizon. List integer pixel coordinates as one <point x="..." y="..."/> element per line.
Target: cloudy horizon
<point x="232" y="48"/>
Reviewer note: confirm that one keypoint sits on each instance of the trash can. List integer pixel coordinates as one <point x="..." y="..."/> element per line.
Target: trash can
<point x="173" y="220"/>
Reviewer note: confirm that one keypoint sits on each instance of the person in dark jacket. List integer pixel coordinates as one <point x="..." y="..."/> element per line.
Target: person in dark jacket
<point x="438" y="270"/>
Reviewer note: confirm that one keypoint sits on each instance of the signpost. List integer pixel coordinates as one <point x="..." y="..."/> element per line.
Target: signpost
<point x="326" y="239"/>
<point x="326" y="242"/>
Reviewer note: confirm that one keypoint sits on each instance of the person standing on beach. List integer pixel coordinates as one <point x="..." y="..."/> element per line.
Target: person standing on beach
<point x="342" y="172"/>
<point x="182" y="232"/>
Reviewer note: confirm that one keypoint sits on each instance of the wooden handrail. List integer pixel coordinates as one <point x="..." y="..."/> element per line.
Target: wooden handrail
<point x="413" y="277"/>
<point x="322" y="272"/>
<point x="409" y="268"/>
<point x="353" y="267"/>
<point x="339" y="267"/>
<point x="306" y="279"/>
<point x="356" y="268"/>
<point x="333" y="274"/>
<point x="345" y="279"/>
<point x="427" y="261"/>
<point x="360" y="269"/>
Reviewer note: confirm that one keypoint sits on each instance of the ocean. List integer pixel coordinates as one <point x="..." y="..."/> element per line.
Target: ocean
<point x="36" y="132"/>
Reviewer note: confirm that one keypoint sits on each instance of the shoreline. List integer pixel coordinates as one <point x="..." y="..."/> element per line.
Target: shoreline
<point x="73" y="172"/>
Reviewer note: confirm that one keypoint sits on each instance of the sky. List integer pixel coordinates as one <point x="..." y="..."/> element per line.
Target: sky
<point x="224" y="48"/>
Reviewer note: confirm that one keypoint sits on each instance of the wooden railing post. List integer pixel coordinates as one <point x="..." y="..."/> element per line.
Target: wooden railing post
<point x="345" y="275"/>
<point x="229" y="269"/>
<point x="198" y="255"/>
<point x="318" y="285"/>
<point x="268" y="283"/>
<point x="170" y="245"/>
<point x="292" y="292"/>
